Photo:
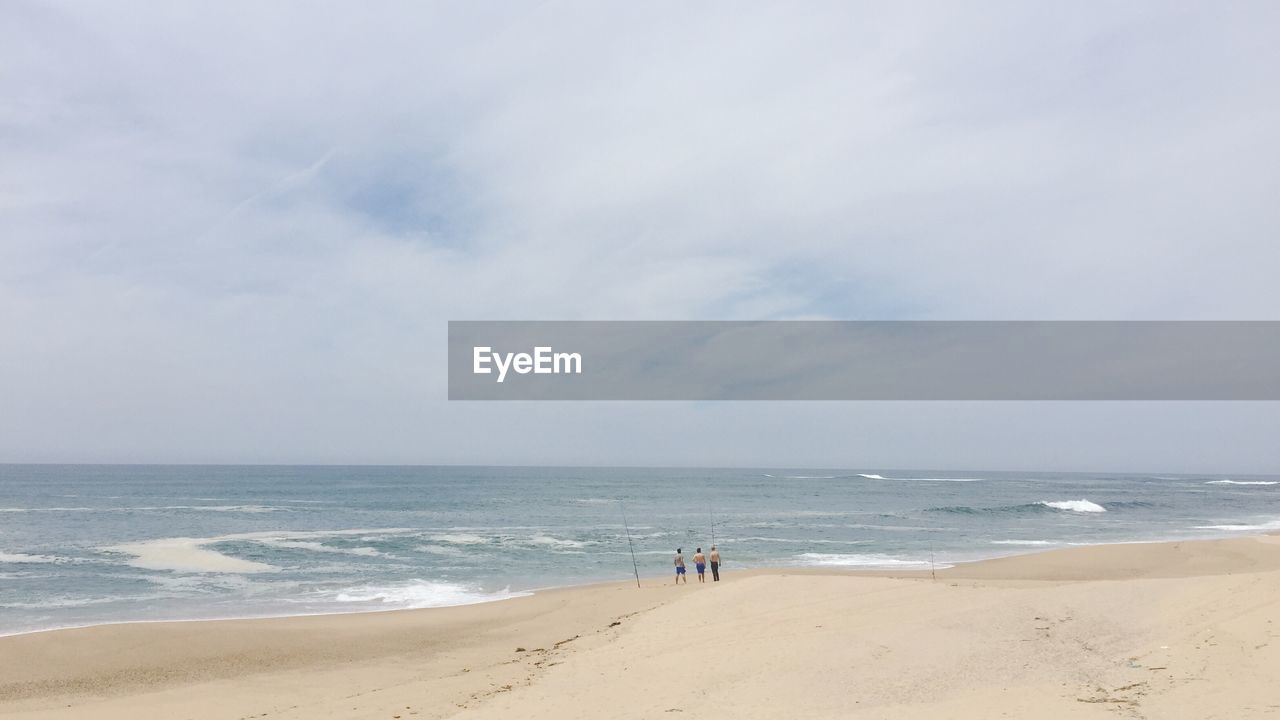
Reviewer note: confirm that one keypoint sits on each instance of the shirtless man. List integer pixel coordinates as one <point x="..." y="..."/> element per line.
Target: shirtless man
<point x="700" y="561"/>
<point x="680" y="567"/>
<point x="715" y="564"/>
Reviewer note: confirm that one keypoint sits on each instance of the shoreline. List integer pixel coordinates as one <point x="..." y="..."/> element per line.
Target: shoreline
<point x="868" y="571"/>
<point x="1084" y="626"/>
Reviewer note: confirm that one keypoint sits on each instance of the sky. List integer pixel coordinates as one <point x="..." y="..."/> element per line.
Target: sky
<point x="235" y="232"/>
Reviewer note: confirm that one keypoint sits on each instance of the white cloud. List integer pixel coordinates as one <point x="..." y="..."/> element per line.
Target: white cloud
<point x="236" y="233"/>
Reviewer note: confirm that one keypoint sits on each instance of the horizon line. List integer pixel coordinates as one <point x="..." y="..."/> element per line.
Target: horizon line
<point x="45" y="463"/>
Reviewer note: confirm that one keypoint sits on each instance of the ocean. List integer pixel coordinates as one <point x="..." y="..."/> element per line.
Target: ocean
<point x="90" y="544"/>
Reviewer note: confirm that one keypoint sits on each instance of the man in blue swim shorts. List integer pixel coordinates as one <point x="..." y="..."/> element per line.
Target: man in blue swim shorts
<point x="700" y="562"/>
<point x="680" y="566"/>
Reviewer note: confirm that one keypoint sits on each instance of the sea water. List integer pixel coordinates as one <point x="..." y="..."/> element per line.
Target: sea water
<point x="83" y="544"/>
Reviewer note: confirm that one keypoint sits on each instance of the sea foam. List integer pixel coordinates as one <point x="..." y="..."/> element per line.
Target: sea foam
<point x="1259" y="527"/>
<point x="859" y="560"/>
<point x="26" y="559"/>
<point x="186" y="555"/>
<point x="421" y="594"/>
<point x="313" y="546"/>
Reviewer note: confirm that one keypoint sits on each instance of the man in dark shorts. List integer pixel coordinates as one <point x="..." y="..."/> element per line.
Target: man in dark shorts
<point x="680" y="567"/>
<point x="715" y="564"/>
<point x="700" y="561"/>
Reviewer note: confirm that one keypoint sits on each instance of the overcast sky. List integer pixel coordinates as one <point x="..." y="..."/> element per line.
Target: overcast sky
<point x="235" y="232"/>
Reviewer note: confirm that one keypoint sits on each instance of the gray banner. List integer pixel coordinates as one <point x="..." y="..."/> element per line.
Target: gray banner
<point x="856" y="360"/>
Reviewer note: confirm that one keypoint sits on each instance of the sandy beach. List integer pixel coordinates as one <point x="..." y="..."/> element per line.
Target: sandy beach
<point x="1161" y="630"/>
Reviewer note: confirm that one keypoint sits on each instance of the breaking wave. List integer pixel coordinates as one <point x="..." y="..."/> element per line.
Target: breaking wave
<point x="859" y="560"/>
<point x="1074" y="506"/>
<point x="1080" y="506"/>
<point x="870" y="476"/>
<point x="421" y="594"/>
<point x="873" y="476"/>
<point x="1259" y="527"/>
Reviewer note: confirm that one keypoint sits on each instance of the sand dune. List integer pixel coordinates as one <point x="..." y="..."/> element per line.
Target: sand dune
<point x="1170" y="630"/>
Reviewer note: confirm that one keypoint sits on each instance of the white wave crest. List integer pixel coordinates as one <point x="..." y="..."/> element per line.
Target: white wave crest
<point x="549" y="541"/>
<point x="1036" y="543"/>
<point x="1243" y="482"/>
<point x="1082" y="505"/>
<point x="27" y="559"/>
<point x="313" y="546"/>
<point x="459" y="539"/>
<point x="871" y="476"/>
<point x="859" y="560"/>
<point x="421" y="594"/>
<point x="51" y="603"/>
<point x="793" y="541"/>
<point x="439" y="550"/>
<point x="1259" y="527"/>
<point x="218" y="508"/>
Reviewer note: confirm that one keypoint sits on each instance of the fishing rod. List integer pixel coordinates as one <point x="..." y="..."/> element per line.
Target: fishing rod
<point x="634" y="566"/>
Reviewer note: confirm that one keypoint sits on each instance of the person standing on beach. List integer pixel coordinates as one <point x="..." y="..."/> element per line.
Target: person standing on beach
<point x="715" y="564"/>
<point x="700" y="561"/>
<point x="680" y="566"/>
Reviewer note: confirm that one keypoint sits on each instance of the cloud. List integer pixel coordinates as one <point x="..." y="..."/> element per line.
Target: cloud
<point x="236" y="233"/>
